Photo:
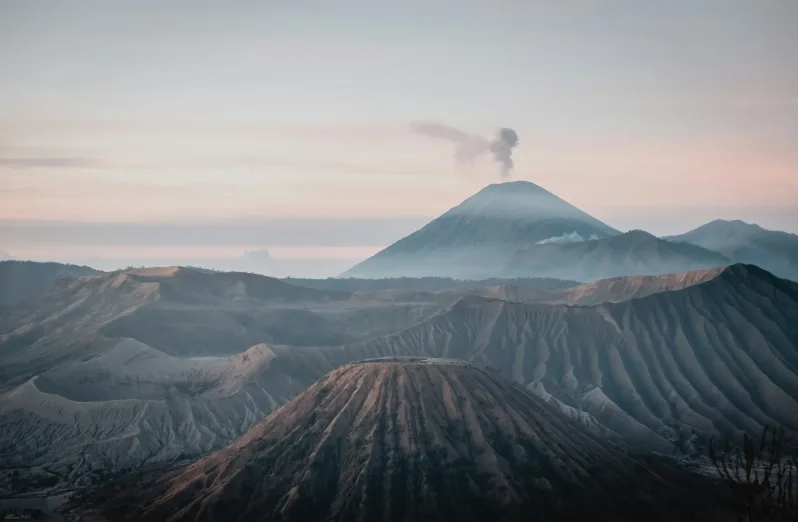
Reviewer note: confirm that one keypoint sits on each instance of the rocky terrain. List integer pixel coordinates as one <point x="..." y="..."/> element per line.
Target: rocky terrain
<point x="715" y="352"/>
<point x="719" y="357"/>
<point x="411" y="440"/>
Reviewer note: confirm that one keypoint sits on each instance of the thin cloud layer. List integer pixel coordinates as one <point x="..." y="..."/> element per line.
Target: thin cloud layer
<point x="55" y="163"/>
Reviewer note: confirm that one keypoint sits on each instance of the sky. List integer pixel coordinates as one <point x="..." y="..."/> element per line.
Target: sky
<point x="205" y="132"/>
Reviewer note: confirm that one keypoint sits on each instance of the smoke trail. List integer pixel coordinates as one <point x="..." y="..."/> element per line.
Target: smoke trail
<point x="470" y="146"/>
<point x="502" y="149"/>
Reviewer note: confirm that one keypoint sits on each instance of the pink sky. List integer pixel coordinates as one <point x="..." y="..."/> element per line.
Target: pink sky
<point x="654" y="115"/>
<point x="141" y="175"/>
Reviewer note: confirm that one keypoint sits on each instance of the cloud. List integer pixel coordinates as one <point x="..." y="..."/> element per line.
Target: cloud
<point x="286" y="231"/>
<point x="53" y="163"/>
<point x="262" y="255"/>
<point x="568" y="237"/>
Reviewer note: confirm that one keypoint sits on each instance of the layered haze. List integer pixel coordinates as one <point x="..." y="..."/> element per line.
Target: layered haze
<point x="102" y="130"/>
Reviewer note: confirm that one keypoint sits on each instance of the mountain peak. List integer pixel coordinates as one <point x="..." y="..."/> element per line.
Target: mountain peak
<point x="523" y="201"/>
<point x="639" y="235"/>
<point x="407" y="440"/>
<point x="732" y="225"/>
<point x="514" y="186"/>
<point x="475" y="238"/>
<point x="747" y="271"/>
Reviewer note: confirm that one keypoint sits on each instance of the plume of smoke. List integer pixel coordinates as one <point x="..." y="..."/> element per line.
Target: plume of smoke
<point x="502" y="148"/>
<point x="470" y="146"/>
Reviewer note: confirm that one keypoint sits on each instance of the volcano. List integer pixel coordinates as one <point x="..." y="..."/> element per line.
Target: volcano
<point x="476" y="238"/>
<point x="519" y="229"/>
<point x="410" y="439"/>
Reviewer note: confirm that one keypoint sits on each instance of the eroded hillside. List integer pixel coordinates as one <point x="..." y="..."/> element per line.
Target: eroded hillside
<point x="407" y="440"/>
<point x="714" y="352"/>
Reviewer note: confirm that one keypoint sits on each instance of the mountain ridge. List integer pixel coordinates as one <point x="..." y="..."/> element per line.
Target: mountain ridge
<point x="21" y="280"/>
<point x="632" y="253"/>
<point x="714" y="354"/>
<point x="519" y="229"/>
<point x="530" y="341"/>
<point x="742" y="242"/>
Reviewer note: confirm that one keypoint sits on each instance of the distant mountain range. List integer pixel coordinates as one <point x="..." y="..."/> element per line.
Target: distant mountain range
<point x="428" y="284"/>
<point x="519" y="229"/>
<point x="413" y="439"/>
<point x="189" y="312"/>
<point x="475" y="239"/>
<point x="741" y="242"/>
<point x="514" y="230"/>
<point x="632" y="253"/>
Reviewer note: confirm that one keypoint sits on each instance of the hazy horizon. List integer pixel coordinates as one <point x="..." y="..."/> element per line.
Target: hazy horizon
<point x="196" y="132"/>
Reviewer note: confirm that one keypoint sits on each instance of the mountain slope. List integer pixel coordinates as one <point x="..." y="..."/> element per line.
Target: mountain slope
<point x="23" y="279"/>
<point x="129" y="406"/>
<point x="632" y="253"/>
<point x="410" y="440"/>
<point x="715" y="352"/>
<point x="474" y="239"/>
<point x="775" y="251"/>
<point x="720" y="357"/>
<point x="190" y="312"/>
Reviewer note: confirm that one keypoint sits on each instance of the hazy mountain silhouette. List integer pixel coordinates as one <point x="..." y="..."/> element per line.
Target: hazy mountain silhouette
<point x="189" y="312"/>
<point x="743" y="242"/>
<point x="519" y="229"/>
<point x="629" y="254"/>
<point x="427" y="284"/>
<point x="474" y="239"/>
<point x="22" y="279"/>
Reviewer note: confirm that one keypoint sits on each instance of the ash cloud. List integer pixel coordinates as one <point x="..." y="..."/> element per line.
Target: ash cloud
<point x="471" y="146"/>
